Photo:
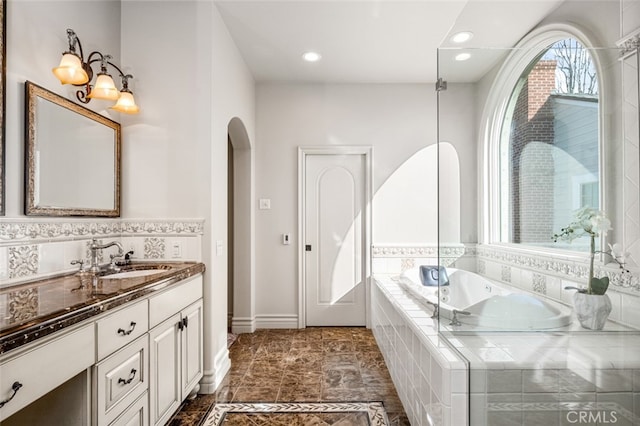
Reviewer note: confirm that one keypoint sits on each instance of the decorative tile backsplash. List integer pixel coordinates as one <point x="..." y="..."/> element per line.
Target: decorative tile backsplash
<point x="23" y="261"/>
<point x="154" y="248"/>
<point x="506" y="273"/>
<point x="539" y="283"/>
<point x="23" y="304"/>
<point x="406" y="264"/>
<point x="482" y="267"/>
<point x="544" y="275"/>
<point x="29" y="249"/>
<point x="550" y="275"/>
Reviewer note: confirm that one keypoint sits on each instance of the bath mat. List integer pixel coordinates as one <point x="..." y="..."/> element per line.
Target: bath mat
<point x="290" y="413"/>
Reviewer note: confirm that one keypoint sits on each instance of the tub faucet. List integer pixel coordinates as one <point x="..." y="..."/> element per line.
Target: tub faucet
<point x="455" y="321"/>
<point x="436" y="308"/>
<point x="94" y="247"/>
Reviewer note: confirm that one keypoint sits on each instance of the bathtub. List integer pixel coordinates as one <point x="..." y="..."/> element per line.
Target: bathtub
<point x="488" y="304"/>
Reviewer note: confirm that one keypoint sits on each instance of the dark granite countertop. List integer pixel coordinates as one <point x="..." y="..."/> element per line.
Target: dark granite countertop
<point x="36" y="309"/>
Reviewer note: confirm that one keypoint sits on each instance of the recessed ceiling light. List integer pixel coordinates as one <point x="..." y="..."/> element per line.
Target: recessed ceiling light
<point x="462" y="36"/>
<point x="463" y="56"/>
<point x="311" y="56"/>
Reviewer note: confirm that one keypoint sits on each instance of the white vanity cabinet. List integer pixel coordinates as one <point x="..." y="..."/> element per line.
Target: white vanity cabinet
<point x="136" y="415"/>
<point x="121" y="375"/>
<point x="122" y="327"/>
<point x="132" y="364"/>
<point x="120" y="380"/>
<point x="176" y="351"/>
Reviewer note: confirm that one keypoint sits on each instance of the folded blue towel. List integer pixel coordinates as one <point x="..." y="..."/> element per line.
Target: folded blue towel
<point x="433" y="275"/>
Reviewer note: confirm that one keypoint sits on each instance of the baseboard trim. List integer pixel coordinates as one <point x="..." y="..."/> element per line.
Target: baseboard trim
<point x="211" y="379"/>
<point x="243" y="325"/>
<point x="276" y="321"/>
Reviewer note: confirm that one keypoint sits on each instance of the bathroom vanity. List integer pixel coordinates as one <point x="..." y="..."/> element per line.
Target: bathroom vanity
<point x="119" y="349"/>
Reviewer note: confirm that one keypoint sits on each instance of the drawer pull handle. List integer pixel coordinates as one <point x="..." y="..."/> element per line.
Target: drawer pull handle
<point x="129" y="331"/>
<point x="15" y="387"/>
<point x="130" y="379"/>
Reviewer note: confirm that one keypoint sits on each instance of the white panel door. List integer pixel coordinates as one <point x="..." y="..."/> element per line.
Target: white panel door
<point x="334" y="210"/>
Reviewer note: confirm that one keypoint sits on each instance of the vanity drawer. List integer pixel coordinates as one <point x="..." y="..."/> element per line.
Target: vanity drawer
<point x="122" y="327"/>
<point x="136" y="415"/>
<point x="44" y="367"/>
<point x="121" y="379"/>
<point x="174" y="300"/>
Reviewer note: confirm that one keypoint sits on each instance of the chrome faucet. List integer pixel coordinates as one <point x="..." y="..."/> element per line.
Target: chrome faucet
<point x="436" y="309"/>
<point x="455" y="321"/>
<point x="94" y="247"/>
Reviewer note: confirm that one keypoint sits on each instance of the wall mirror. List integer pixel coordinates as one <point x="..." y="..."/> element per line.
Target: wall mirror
<point x="72" y="158"/>
<point x="3" y="68"/>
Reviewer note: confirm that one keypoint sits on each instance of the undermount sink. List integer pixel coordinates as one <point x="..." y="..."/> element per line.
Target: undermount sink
<point x="133" y="274"/>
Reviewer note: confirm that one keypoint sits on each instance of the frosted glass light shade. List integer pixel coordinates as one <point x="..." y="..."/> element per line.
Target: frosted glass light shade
<point x="126" y="104"/>
<point x="70" y="70"/>
<point x="104" y="88"/>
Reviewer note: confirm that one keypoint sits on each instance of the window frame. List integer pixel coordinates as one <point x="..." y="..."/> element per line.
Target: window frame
<point x="492" y="132"/>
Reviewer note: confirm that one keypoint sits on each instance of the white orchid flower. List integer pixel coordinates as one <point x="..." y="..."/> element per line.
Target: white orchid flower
<point x="618" y="252"/>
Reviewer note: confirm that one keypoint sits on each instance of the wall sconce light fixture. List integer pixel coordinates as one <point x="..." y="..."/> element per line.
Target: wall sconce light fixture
<point x="74" y="70"/>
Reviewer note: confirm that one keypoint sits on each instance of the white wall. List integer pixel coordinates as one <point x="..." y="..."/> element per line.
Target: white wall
<point x="630" y="16"/>
<point x="191" y="81"/>
<point x="414" y="207"/>
<point x="166" y="147"/>
<point x="406" y="204"/>
<point x="458" y="126"/>
<point x="232" y="96"/>
<point x="36" y="37"/>
<point x="398" y="120"/>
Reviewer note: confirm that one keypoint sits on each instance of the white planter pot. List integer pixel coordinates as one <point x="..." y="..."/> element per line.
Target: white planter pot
<point x="592" y="310"/>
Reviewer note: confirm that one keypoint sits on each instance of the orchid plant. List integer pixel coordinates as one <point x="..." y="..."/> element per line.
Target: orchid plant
<point x="591" y="223"/>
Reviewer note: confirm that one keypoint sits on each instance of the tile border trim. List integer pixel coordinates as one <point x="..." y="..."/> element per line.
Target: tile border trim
<point x="45" y="230"/>
<point x="630" y="44"/>
<point x="576" y="270"/>
<point x="565" y="407"/>
<point x="423" y="250"/>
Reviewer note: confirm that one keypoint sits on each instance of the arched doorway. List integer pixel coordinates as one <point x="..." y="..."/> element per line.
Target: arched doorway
<point x="241" y="267"/>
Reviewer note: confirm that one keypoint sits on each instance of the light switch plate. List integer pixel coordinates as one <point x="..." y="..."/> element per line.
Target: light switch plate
<point x="176" y="250"/>
<point x="265" y="203"/>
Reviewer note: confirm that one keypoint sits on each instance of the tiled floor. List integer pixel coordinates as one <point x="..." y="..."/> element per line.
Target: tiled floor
<point x="313" y="364"/>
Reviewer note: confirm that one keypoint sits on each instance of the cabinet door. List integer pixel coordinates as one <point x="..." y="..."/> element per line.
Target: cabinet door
<point x="165" y="370"/>
<point x="192" y="350"/>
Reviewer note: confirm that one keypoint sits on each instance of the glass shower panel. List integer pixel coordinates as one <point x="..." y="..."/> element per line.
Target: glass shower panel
<point x="525" y="150"/>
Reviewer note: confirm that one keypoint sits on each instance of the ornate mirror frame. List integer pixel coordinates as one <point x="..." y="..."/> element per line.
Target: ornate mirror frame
<point x="91" y="122"/>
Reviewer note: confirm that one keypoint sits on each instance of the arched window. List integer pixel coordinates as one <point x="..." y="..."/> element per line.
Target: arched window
<point x="549" y="155"/>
